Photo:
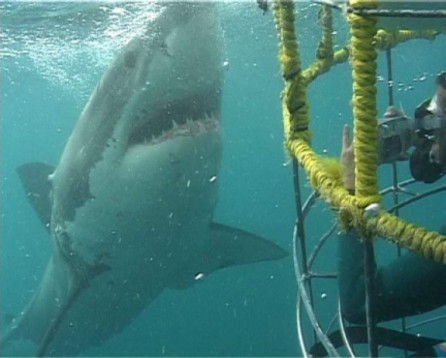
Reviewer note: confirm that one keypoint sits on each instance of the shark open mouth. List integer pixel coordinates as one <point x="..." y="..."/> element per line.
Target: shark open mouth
<point x="155" y="132"/>
<point x="192" y="115"/>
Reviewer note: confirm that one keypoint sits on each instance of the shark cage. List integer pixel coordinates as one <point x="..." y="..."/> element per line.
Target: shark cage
<point x="374" y="25"/>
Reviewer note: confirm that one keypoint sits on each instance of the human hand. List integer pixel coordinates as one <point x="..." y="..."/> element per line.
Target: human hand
<point x="347" y="160"/>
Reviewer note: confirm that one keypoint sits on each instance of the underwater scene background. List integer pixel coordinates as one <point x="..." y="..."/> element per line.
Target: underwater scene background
<point x="52" y="55"/>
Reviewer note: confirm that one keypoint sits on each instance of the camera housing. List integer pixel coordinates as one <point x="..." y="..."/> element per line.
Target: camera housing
<point x="396" y="136"/>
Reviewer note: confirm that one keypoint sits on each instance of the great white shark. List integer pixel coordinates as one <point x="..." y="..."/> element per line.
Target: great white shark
<point x="130" y="204"/>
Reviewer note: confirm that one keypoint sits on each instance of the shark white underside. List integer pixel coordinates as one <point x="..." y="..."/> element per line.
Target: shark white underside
<point x="131" y="201"/>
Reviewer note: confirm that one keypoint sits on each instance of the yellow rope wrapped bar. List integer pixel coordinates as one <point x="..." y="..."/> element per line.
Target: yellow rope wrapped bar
<point x="330" y="188"/>
<point x="325" y="48"/>
<point x="363" y="58"/>
<point x="341" y="55"/>
<point x="318" y="68"/>
<point x="324" y="52"/>
<point x="386" y="40"/>
<point x="295" y="104"/>
<point x="428" y="244"/>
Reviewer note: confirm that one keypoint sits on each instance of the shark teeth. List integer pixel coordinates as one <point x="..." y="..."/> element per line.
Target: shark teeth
<point x="190" y="128"/>
<point x="186" y="128"/>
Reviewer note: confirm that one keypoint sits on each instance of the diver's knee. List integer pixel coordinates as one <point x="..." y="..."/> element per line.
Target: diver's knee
<point x="354" y="317"/>
<point x="353" y="312"/>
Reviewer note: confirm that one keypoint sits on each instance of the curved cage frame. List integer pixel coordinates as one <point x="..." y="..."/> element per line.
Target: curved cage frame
<point x="329" y="341"/>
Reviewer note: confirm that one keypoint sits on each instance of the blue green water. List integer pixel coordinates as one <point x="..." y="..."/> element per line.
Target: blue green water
<point x="52" y="57"/>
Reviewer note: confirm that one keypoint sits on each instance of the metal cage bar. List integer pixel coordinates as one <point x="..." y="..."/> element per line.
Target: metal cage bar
<point x="307" y="274"/>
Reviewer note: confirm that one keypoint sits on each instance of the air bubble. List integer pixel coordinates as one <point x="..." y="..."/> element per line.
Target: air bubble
<point x="199" y="276"/>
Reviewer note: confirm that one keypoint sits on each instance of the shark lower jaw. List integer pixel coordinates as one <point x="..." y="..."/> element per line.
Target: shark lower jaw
<point x="152" y="135"/>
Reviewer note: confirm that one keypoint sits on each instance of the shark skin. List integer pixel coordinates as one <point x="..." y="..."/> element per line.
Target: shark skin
<point x="129" y="206"/>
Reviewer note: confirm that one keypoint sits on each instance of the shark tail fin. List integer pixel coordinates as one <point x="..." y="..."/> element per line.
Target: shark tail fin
<point x="36" y="182"/>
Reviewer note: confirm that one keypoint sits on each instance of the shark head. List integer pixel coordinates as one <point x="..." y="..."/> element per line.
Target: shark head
<point x="162" y="92"/>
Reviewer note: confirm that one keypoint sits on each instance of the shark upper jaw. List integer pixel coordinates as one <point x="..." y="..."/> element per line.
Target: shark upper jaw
<point x="185" y="100"/>
<point x="171" y="77"/>
<point x="146" y="134"/>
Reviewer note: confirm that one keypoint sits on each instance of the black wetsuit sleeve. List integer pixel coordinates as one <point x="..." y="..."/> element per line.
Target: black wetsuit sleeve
<point x="408" y="285"/>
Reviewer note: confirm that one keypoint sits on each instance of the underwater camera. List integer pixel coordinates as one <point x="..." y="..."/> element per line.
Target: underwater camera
<point x="395" y="138"/>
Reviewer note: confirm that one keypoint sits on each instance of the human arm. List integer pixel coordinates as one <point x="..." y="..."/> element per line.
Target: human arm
<point x="408" y="285"/>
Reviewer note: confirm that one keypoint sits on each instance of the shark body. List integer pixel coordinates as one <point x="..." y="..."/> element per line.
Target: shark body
<point x="129" y="206"/>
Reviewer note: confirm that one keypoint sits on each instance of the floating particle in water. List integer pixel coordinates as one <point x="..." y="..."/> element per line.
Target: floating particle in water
<point x="199" y="276"/>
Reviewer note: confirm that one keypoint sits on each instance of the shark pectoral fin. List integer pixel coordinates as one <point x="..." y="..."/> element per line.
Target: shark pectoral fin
<point x="35" y="180"/>
<point x="228" y="246"/>
<point x="231" y="246"/>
